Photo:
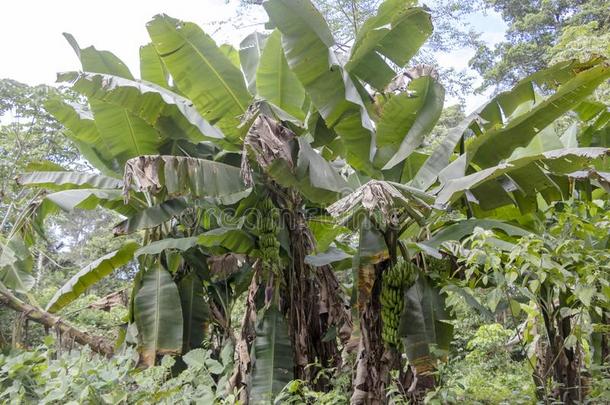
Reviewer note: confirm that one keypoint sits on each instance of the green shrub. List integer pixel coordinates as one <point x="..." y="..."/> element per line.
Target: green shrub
<point x="486" y="374"/>
<point x="42" y="376"/>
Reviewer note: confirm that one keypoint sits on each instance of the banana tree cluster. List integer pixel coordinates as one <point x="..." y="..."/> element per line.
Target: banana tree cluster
<point x="255" y="171"/>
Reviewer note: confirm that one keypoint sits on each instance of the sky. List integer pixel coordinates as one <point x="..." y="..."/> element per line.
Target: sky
<point x="33" y="49"/>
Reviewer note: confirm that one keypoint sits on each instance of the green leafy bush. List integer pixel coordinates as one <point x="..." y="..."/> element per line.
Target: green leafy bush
<point x="42" y="376"/>
<point x="486" y="374"/>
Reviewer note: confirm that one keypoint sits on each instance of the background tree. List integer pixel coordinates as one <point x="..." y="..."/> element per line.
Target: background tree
<point x="32" y="139"/>
<point x="534" y="28"/>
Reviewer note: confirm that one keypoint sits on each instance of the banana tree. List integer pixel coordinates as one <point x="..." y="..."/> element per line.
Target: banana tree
<point x="176" y="166"/>
<point x="506" y="154"/>
<point x="300" y="129"/>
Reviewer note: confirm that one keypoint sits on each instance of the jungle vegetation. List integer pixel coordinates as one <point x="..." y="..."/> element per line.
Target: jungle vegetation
<point x="296" y="221"/>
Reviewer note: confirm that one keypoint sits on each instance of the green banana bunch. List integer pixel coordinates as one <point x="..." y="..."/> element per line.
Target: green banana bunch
<point x="395" y="281"/>
<point x="267" y="226"/>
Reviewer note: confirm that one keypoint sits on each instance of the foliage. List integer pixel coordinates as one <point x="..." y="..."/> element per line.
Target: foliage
<point x="300" y="392"/>
<point x="40" y="376"/>
<point x="534" y="29"/>
<point x="32" y="139"/>
<point x="346" y="18"/>
<point x="486" y="374"/>
<point x="226" y="156"/>
<point x="557" y="279"/>
<point x="582" y="42"/>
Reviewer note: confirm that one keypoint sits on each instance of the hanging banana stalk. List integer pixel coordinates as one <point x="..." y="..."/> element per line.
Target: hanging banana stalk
<point x="396" y="279"/>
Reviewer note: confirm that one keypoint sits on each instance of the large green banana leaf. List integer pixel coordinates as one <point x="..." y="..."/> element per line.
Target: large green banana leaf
<point x="307" y="43"/>
<point x="159" y="246"/>
<point x="158" y="315"/>
<point x="250" y="51"/>
<point x="152" y="68"/>
<point x="321" y="173"/>
<point x="202" y="72"/>
<point x="126" y="134"/>
<point x="173" y="116"/>
<point x="219" y="240"/>
<point x="424" y="328"/>
<point x="411" y="166"/>
<point x="518" y="181"/>
<point x="314" y="176"/>
<point x="195" y="311"/>
<point x="84" y="133"/>
<point x="16" y="265"/>
<point x="502" y="107"/>
<point x="493" y="114"/>
<point x="545" y="141"/>
<point x="396" y="33"/>
<point x="97" y="61"/>
<point x="462" y="229"/>
<point x="494" y="145"/>
<point x="275" y="82"/>
<point x="67" y="180"/>
<point x="316" y="126"/>
<point x="231" y="53"/>
<point x="86" y="199"/>
<point x="91" y="274"/>
<point x="178" y="176"/>
<point x="151" y="217"/>
<point x="273" y="368"/>
<point x="406" y="119"/>
<point x="227" y="239"/>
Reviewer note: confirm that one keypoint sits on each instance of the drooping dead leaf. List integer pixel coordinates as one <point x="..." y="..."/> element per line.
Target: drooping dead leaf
<point x="223" y="266"/>
<point x="384" y="198"/>
<point x="266" y="141"/>
<point x="180" y="175"/>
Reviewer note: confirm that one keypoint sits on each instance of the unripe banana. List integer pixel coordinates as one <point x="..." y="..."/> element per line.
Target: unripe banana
<point x="267" y="229"/>
<point x="396" y="280"/>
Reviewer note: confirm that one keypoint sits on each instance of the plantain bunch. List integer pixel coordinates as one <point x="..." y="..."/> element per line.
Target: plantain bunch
<point x="267" y="223"/>
<point x="395" y="281"/>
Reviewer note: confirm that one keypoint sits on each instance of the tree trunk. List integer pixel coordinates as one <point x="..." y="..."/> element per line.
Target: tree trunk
<point x="375" y="360"/>
<point x="313" y="301"/>
<point x="568" y="365"/>
<point x="565" y="361"/>
<point x="240" y="379"/>
<point x="98" y="344"/>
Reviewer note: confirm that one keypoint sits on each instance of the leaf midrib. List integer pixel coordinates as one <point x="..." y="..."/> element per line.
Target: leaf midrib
<point x="281" y="78"/>
<point x="216" y="73"/>
<point x="132" y="133"/>
<point x="157" y="311"/>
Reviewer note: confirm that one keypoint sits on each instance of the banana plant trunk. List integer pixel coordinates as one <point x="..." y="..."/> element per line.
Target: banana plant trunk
<point x="240" y="379"/>
<point x="375" y="359"/>
<point x="313" y="301"/>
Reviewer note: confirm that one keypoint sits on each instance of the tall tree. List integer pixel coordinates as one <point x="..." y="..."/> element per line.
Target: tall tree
<point x="28" y="133"/>
<point x="534" y="28"/>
